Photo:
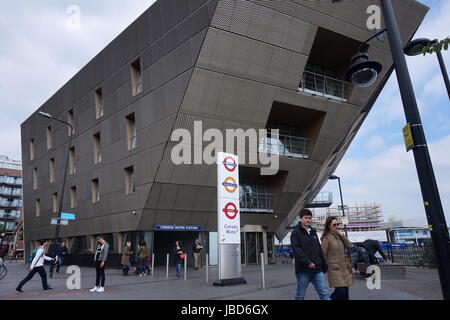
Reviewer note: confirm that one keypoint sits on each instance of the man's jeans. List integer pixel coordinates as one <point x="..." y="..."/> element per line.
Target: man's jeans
<point x="143" y="265"/>
<point x="362" y="255"/>
<point x="317" y="279"/>
<point x="59" y="263"/>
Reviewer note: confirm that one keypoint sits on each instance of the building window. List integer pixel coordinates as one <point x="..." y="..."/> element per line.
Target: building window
<point x="52" y="170"/>
<point x="98" y="103"/>
<point x="73" y="197"/>
<point x="136" y="77"/>
<point x="254" y="196"/>
<point x="49" y="138"/>
<point x="55" y="202"/>
<point x="32" y="150"/>
<point x="72" y="162"/>
<point x="289" y="143"/>
<point x="38" y="207"/>
<point x="130" y="182"/>
<point x="97" y="148"/>
<point x="131" y="131"/>
<point x="71" y="121"/>
<point x="95" y="191"/>
<point x="35" y="179"/>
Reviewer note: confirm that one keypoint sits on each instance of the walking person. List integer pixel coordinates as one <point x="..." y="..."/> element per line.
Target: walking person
<point x="142" y="258"/>
<point x="197" y="251"/>
<point x="61" y="251"/>
<point x="179" y="257"/>
<point x="310" y="263"/>
<point x="125" y="262"/>
<point x="340" y="273"/>
<point x="101" y="254"/>
<point x="37" y="266"/>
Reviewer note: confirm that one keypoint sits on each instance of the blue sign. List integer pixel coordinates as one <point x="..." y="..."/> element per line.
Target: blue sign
<point x="67" y="216"/>
<point x="177" y="228"/>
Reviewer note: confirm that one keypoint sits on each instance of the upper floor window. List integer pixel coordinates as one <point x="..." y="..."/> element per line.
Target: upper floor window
<point x="73" y="197"/>
<point x="52" y="170"/>
<point x="95" y="188"/>
<point x="131" y="131"/>
<point x="38" y="207"/>
<point x="72" y="162"/>
<point x="55" y="202"/>
<point x="136" y="77"/>
<point x="130" y="182"/>
<point x="97" y="148"/>
<point x="71" y="120"/>
<point x="49" y="138"/>
<point x="32" y="150"/>
<point x="35" y="179"/>
<point x="98" y="103"/>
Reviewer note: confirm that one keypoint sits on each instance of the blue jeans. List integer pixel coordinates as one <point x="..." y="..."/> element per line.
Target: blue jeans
<point x="59" y="263"/>
<point x="178" y="268"/>
<point x="143" y="265"/>
<point x="317" y="279"/>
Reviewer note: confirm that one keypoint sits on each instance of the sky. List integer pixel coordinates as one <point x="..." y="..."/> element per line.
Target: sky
<point x="42" y="48"/>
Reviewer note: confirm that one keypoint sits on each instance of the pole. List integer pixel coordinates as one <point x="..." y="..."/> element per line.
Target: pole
<point x="153" y="263"/>
<point x="185" y="266"/>
<point x="444" y="72"/>
<point x="167" y="266"/>
<point x="342" y="205"/>
<point x="207" y="268"/>
<point x="61" y="200"/>
<point x="428" y="186"/>
<point x="262" y="272"/>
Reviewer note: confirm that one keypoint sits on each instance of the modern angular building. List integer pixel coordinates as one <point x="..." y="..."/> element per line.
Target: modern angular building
<point x="231" y="64"/>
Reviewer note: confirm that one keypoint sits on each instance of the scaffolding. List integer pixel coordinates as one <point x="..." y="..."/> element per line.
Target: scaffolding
<point x="367" y="217"/>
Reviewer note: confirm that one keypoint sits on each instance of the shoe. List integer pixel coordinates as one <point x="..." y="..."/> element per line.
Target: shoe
<point x="95" y="289"/>
<point x="101" y="289"/>
<point x="48" y="289"/>
<point x="19" y="291"/>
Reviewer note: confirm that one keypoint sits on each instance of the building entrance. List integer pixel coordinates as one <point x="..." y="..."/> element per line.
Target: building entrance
<point x="251" y="247"/>
<point x="165" y="243"/>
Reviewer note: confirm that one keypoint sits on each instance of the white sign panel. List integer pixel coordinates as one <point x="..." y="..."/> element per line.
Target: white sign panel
<point x="228" y="210"/>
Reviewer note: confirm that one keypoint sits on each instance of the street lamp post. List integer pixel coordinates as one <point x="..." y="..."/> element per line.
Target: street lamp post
<point x="60" y="208"/>
<point x="415" y="48"/>
<point x="429" y="189"/>
<point x="342" y="200"/>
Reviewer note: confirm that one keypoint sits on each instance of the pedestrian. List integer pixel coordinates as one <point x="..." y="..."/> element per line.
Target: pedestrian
<point x="61" y="251"/>
<point x="197" y="249"/>
<point x="310" y="263"/>
<point x="126" y="253"/>
<point x="37" y="265"/>
<point x="179" y="257"/>
<point x="365" y="252"/>
<point x="142" y="258"/>
<point x="100" y="256"/>
<point x="340" y="273"/>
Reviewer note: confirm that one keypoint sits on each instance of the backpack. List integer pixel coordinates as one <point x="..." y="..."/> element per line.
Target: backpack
<point x="32" y="255"/>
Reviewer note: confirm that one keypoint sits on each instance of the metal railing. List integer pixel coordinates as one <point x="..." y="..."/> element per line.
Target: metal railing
<point x="325" y="86"/>
<point x="256" y="202"/>
<point x="288" y="146"/>
<point x="411" y="255"/>
<point x="323" y="197"/>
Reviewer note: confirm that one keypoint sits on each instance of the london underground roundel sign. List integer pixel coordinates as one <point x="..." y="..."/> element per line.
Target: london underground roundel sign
<point x="230" y="164"/>
<point x="230" y="185"/>
<point x="230" y="210"/>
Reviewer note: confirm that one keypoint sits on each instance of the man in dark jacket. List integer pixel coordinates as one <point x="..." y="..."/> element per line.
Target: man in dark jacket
<point x="310" y="264"/>
<point x="366" y="252"/>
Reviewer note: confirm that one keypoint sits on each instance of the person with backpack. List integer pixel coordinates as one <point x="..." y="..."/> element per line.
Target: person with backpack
<point x="179" y="257"/>
<point x="37" y="266"/>
<point x="310" y="264"/>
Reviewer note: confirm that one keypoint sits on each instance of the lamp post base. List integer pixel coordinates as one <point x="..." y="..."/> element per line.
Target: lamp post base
<point x="229" y="282"/>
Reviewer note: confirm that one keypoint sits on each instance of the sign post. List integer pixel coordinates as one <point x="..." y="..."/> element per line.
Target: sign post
<point x="228" y="221"/>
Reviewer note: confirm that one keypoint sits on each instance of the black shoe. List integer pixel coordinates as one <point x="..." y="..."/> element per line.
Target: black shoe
<point x="19" y="291"/>
<point x="48" y="289"/>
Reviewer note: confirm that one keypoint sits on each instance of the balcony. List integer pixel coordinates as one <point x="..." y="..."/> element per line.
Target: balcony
<point x="251" y="202"/>
<point x="322" y="200"/>
<point x="10" y="180"/>
<point x="325" y="86"/>
<point x="285" y="145"/>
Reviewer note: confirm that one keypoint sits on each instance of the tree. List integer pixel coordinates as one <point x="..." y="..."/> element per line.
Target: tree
<point x="437" y="46"/>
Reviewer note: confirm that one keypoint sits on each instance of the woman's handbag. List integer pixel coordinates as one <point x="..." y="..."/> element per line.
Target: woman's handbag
<point x="349" y="267"/>
<point x="182" y="256"/>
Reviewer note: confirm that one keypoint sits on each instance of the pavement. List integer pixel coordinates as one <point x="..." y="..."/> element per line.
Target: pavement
<point x="413" y="284"/>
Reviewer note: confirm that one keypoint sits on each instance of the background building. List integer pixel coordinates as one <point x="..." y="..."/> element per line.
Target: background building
<point x="11" y="204"/>
<point x="231" y="64"/>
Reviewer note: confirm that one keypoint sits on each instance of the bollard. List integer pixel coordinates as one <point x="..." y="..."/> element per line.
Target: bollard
<point x="207" y="268"/>
<point x="185" y="266"/>
<point x="167" y="267"/>
<point x="262" y="271"/>
<point x="153" y="263"/>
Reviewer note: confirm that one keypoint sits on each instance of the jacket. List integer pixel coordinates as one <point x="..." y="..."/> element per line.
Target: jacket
<point x="372" y="246"/>
<point x="307" y="250"/>
<point x="194" y="247"/>
<point x="38" y="260"/>
<point x="126" y="253"/>
<point x="103" y="252"/>
<point x="142" y="252"/>
<point x="333" y="246"/>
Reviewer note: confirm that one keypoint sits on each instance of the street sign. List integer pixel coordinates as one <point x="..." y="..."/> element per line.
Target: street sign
<point x="64" y="222"/>
<point x="408" y="137"/>
<point x="67" y="216"/>
<point x="54" y="221"/>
